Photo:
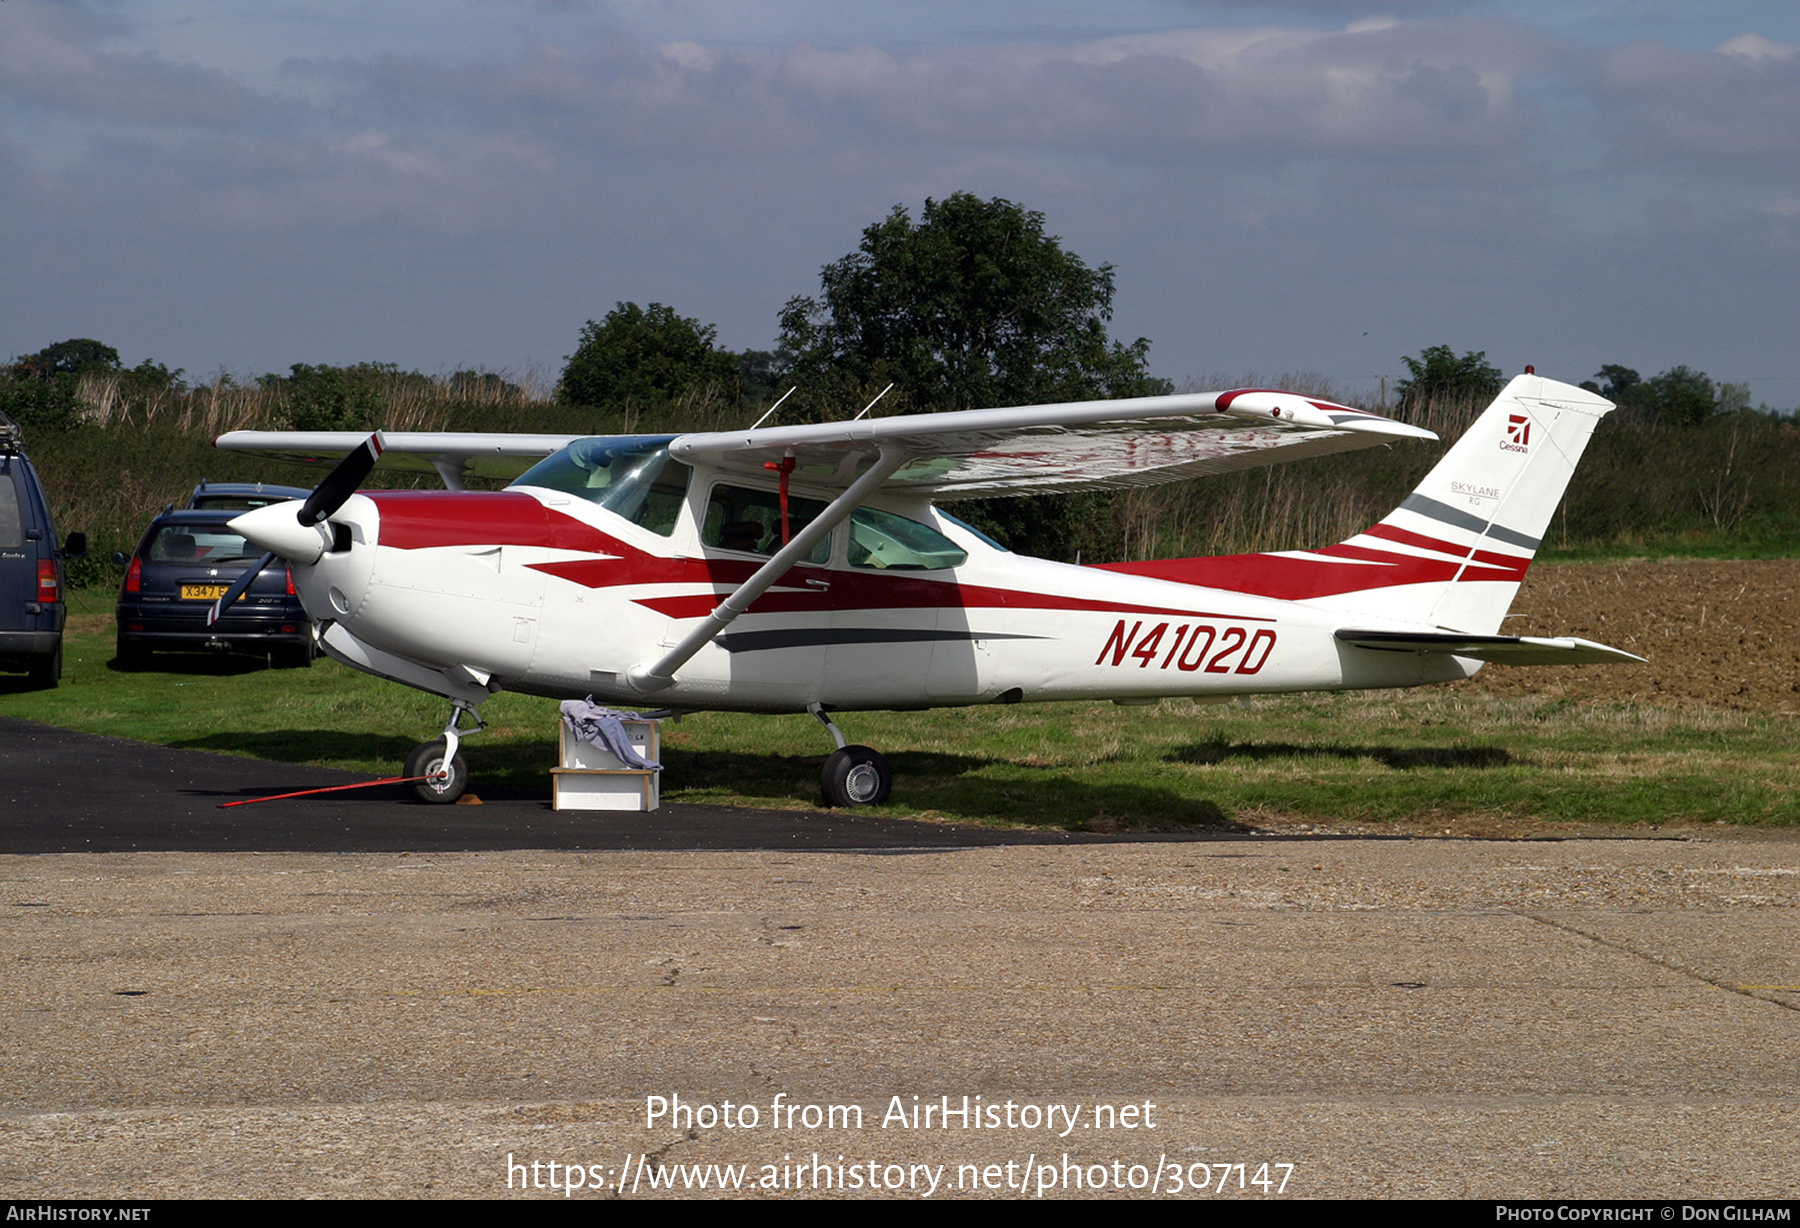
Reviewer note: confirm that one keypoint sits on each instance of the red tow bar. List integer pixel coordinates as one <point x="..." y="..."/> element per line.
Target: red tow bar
<point x="275" y="797"/>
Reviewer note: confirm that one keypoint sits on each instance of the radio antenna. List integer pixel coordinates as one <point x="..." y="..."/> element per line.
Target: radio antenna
<point x="871" y="404"/>
<point x="774" y="407"/>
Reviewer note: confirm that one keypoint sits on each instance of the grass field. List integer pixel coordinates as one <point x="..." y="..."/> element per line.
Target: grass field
<point x="1421" y="760"/>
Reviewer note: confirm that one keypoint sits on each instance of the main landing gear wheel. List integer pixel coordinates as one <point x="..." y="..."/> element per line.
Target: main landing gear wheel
<point x="444" y="786"/>
<point x="856" y="776"/>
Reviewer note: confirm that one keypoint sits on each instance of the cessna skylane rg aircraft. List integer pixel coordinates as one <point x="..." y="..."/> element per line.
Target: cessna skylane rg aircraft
<point x="811" y="569"/>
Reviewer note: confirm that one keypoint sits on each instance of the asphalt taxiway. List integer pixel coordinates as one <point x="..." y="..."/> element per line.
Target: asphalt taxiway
<point x="367" y="998"/>
<point x="65" y="792"/>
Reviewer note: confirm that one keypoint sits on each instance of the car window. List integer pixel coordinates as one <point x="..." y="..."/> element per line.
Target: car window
<point x="12" y="524"/>
<point x="197" y="543"/>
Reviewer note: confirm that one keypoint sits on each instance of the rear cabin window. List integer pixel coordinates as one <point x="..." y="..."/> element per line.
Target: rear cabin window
<point x="633" y="477"/>
<point x="888" y="542"/>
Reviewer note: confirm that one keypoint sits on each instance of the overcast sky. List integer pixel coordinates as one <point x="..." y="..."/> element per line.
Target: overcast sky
<point x="1320" y="186"/>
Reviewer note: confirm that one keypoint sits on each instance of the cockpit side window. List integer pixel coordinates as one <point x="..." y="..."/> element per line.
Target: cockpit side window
<point x="630" y="476"/>
<point x="750" y="521"/>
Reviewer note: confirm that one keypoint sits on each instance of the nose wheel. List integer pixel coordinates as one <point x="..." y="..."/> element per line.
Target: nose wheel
<point x="853" y="775"/>
<point x="446" y="775"/>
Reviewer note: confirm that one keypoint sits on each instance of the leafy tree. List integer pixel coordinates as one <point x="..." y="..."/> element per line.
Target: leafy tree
<point x="37" y="402"/>
<point x="1732" y="397"/>
<point x="971" y="306"/>
<point x="647" y="355"/>
<point x="1438" y="373"/>
<point x="71" y="357"/>
<point x="1621" y="383"/>
<point x="324" y="398"/>
<point x="757" y="375"/>
<point x="39" y="389"/>
<point x="149" y="378"/>
<point x="1682" y="395"/>
<point x="1679" y="395"/>
<point x="489" y="386"/>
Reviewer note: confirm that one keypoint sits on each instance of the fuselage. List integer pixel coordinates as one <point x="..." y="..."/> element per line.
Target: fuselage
<point x="549" y="592"/>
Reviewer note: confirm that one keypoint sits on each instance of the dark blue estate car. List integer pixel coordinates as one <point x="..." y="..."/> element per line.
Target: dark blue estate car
<point x="31" y="567"/>
<point x="185" y="563"/>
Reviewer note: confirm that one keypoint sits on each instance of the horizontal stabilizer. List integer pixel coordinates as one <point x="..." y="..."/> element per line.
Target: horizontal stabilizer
<point x="1498" y="649"/>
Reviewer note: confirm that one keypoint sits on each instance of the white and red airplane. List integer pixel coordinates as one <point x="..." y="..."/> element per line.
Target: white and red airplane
<point x="811" y="568"/>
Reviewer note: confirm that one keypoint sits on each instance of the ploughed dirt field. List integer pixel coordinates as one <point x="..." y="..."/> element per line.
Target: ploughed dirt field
<point x="1718" y="634"/>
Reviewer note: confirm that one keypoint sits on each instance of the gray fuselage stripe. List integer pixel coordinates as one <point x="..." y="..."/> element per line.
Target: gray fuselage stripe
<point x="1445" y="514"/>
<point x="811" y="637"/>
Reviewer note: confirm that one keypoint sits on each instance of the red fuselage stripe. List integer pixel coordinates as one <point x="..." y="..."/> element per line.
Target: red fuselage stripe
<point x="423" y="520"/>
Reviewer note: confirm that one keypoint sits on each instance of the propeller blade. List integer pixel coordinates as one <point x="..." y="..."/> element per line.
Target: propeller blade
<point x="238" y="589"/>
<point x="342" y="481"/>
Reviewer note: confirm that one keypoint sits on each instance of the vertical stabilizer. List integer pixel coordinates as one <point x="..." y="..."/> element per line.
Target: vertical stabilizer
<point x="1485" y="508"/>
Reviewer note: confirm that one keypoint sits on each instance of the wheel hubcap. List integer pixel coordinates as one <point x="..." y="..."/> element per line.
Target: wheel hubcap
<point x="863" y="782"/>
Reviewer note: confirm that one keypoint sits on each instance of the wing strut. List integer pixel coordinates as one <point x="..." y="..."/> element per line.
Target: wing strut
<point x="651" y="678"/>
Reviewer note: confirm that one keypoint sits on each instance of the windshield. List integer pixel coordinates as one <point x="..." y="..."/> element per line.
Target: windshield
<point x="629" y="475"/>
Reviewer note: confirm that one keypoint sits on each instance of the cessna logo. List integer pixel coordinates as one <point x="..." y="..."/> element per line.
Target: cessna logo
<point x="1518" y="434"/>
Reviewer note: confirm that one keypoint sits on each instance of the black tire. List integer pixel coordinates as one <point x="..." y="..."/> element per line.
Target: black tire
<point x="856" y="776"/>
<point x="131" y="656"/>
<point x="428" y="760"/>
<point x="46" y="671"/>
<point x="296" y="658"/>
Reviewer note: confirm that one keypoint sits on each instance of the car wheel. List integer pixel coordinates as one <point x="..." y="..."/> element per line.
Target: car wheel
<point x="46" y="671"/>
<point x="856" y="776"/>
<point x="130" y="656"/>
<point x="298" y="658"/>
<point x="428" y="760"/>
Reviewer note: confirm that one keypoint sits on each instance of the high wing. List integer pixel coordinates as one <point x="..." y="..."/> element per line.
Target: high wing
<point x="453" y="455"/>
<point x="979" y="453"/>
<point x="1044" y="449"/>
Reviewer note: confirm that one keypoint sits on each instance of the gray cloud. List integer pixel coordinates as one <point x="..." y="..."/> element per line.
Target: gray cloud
<point x="1736" y="108"/>
<point x="48" y="61"/>
<point x="1419" y="89"/>
<point x="1268" y="193"/>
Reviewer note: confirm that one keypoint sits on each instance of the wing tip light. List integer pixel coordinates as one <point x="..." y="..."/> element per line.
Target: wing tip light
<point x="1275" y="406"/>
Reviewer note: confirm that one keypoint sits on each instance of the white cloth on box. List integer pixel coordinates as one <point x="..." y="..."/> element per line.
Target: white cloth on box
<point x="605" y="728"/>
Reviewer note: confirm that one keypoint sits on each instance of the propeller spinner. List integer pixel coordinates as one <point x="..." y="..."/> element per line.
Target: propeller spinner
<point x="297" y="536"/>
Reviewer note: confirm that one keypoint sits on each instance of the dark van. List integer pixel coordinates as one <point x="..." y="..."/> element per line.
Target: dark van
<point x="31" y="567"/>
